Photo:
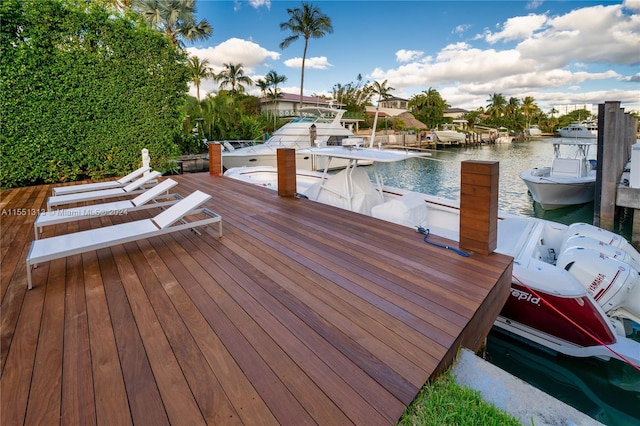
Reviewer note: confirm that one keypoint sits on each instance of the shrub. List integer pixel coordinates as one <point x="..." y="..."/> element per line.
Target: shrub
<point x="83" y="92"/>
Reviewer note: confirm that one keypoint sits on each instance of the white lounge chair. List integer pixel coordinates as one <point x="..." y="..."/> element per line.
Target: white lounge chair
<point x="131" y="189"/>
<point x="151" y="198"/>
<point x="61" y="246"/>
<point x="96" y="186"/>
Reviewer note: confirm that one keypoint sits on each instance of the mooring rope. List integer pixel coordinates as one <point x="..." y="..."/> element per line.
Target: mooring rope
<point x="426" y="233"/>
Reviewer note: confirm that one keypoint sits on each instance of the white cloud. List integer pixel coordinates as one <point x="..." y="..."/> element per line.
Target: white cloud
<point x="260" y="3"/>
<point x="533" y="4"/>
<point x="633" y="78"/>
<point x="517" y="28"/>
<point x="235" y="51"/>
<point x="318" y="63"/>
<point x="461" y="28"/>
<point x="403" y="55"/>
<point x="552" y="53"/>
<point x="633" y="5"/>
<point x="256" y="4"/>
<point x="597" y="34"/>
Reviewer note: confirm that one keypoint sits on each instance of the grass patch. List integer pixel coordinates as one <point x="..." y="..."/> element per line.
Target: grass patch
<point x="444" y="402"/>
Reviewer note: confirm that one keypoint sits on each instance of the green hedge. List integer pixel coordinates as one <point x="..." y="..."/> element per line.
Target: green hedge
<point x="84" y="90"/>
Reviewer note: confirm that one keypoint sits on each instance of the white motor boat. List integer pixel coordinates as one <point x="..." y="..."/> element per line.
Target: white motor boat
<point x="533" y="131"/>
<point x="570" y="180"/>
<point x="327" y="130"/>
<point x="575" y="289"/>
<point x="448" y="135"/>
<point x="504" y="136"/>
<point x="579" y="130"/>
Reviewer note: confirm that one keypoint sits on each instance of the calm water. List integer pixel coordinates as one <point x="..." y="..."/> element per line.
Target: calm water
<point x="608" y="392"/>
<point x="440" y="175"/>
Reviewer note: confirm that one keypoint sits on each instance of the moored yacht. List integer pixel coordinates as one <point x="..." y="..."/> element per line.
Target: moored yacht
<point x="579" y="130"/>
<point x="533" y="131"/>
<point x="449" y="135"/>
<point x="322" y="124"/>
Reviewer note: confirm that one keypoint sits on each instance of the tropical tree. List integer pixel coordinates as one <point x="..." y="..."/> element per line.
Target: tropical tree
<point x="429" y="107"/>
<point x="529" y="108"/>
<point x="233" y="75"/>
<point x="354" y="96"/>
<point x="497" y="105"/>
<point x="263" y="85"/>
<point x="274" y="93"/>
<point x="274" y="79"/>
<point x="175" y="18"/>
<point x="383" y="91"/>
<point x="308" y="22"/>
<point x="199" y="70"/>
<point x="513" y="107"/>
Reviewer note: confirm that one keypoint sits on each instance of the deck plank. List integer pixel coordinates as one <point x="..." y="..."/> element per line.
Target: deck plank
<point x="300" y="314"/>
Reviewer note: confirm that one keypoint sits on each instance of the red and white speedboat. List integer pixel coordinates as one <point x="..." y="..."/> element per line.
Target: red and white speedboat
<point x="575" y="289"/>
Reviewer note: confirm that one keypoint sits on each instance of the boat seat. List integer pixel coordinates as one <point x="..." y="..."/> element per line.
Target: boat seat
<point x="408" y="210"/>
<point x="565" y="167"/>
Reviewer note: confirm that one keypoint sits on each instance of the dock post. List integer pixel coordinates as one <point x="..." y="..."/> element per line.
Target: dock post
<point x="215" y="159"/>
<point x="286" y="160"/>
<point x="479" y="206"/>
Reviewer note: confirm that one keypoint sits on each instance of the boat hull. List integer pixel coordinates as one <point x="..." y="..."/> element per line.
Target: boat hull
<point x="555" y="193"/>
<point x="533" y="132"/>
<point x="544" y="318"/>
<point x="447" y="137"/>
<point x="265" y="156"/>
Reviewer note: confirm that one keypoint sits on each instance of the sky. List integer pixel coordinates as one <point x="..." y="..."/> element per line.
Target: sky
<point x="559" y="52"/>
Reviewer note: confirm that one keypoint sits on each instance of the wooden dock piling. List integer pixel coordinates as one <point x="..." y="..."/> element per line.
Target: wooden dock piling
<point x="215" y="159"/>
<point x="616" y="136"/>
<point x="286" y="160"/>
<point x="479" y="206"/>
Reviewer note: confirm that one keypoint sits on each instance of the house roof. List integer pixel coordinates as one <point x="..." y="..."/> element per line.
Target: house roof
<point x="394" y="98"/>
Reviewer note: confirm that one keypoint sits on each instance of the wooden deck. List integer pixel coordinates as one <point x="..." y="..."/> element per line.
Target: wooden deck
<point x="301" y="314"/>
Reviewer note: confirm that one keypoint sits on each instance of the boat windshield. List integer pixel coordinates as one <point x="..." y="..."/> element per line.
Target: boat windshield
<point x="312" y="119"/>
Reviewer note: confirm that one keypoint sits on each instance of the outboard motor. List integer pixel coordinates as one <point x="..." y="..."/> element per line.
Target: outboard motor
<point x="607" y="238"/>
<point x="615" y="285"/>
<point x="601" y="247"/>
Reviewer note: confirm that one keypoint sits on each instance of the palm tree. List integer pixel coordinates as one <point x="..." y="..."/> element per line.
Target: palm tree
<point x="497" y="105"/>
<point x="383" y="91"/>
<point x="274" y="79"/>
<point x="263" y="85"/>
<point x="529" y="108"/>
<point x="307" y="22"/>
<point x="175" y="18"/>
<point x="354" y="96"/>
<point x="233" y="75"/>
<point x="199" y="70"/>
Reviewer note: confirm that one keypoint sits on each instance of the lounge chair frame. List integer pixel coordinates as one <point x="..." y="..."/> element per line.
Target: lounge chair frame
<point x="170" y="220"/>
<point x="155" y="197"/>
<point x="133" y="188"/>
<point x="96" y="186"/>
